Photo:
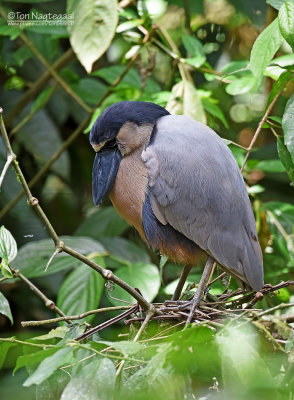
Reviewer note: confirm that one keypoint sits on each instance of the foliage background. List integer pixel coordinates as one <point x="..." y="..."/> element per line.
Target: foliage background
<point x="195" y="58"/>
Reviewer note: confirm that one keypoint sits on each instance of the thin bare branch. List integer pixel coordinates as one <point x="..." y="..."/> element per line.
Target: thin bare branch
<point x="37" y="87"/>
<point x="74" y="317"/>
<point x="48" y="303"/>
<point x="260" y="125"/>
<point x="10" y="158"/>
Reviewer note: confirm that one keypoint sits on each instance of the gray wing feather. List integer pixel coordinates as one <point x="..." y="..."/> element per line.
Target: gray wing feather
<point x="196" y="186"/>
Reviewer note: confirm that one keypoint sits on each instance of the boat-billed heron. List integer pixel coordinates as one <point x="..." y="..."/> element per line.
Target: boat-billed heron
<point x="176" y="181"/>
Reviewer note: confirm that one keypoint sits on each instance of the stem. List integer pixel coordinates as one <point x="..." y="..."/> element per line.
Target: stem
<point x="10" y="159"/>
<point x="48" y="303"/>
<point x="13" y="340"/>
<point x="264" y="118"/>
<point x="37" y="87"/>
<point x="74" y="317"/>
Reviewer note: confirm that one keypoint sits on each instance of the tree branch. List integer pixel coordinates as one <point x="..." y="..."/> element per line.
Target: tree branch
<point x="74" y="317"/>
<point x="264" y="118"/>
<point x="37" y="87"/>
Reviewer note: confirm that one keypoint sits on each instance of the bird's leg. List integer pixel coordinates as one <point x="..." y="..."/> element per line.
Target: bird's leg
<point x="197" y="296"/>
<point x="185" y="272"/>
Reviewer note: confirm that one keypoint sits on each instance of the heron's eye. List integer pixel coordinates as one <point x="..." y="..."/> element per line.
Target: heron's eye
<point x="111" y="143"/>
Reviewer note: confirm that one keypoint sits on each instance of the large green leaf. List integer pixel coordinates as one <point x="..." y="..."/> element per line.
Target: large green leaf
<point x="277" y="4"/>
<point x="286" y="159"/>
<point x="49" y="365"/>
<point x="4" y="348"/>
<point x="8" y="247"/>
<point x="81" y="291"/>
<point x="241" y="85"/>
<point x="5" y="307"/>
<point x="123" y="251"/>
<point x="195" y="50"/>
<point x="280" y="82"/>
<point x="186" y="101"/>
<point x="30" y="360"/>
<point x="145" y="277"/>
<point x="94" y="380"/>
<point x="286" y="22"/>
<point x="264" y="48"/>
<point x="33" y="257"/>
<point x="288" y="126"/>
<point x="41" y="138"/>
<point x="93" y="29"/>
<point x="105" y="222"/>
<point x="90" y="90"/>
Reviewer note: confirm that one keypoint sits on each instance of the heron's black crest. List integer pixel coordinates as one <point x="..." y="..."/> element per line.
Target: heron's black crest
<point x="114" y="117"/>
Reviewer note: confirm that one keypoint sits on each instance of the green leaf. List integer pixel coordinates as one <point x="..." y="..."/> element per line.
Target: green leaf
<point x="42" y="99"/>
<point x="94" y="380"/>
<point x="81" y="291"/>
<point x="21" y="55"/>
<point x="270" y="166"/>
<point x="195" y="50"/>
<point x="7" y="30"/>
<point x="286" y="22"/>
<point x="33" y="257"/>
<point x="126" y="26"/>
<point x="237" y="365"/>
<point x="93" y="29"/>
<point x="30" y="360"/>
<point x="4" y="348"/>
<point x="105" y="222"/>
<point x="145" y="277"/>
<point x="277" y="87"/>
<point x="288" y="126"/>
<point x="214" y="110"/>
<point x="124" y="346"/>
<point x="240" y="85"/>
<point x="123" y="251"/>
<point x="8" y="247"/>
<point x="286" y="159"/>
<point x="264" y="48"/>
<point x="152" y="8"/>
<point x="89" y="89"/>
<point x="5" y="307"/>
<point x="186" y="101"/>
<point x="49" y="365"/>
<point x="277" y="4"/>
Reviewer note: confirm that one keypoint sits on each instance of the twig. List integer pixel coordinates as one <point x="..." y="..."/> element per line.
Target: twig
<point x="48" y="303"/>
<point x="37" y="87"/>
<point x="264" y="118"/>
<point x="84" y="346"/>
<point x="149" y="315"/>
<point x="74" y="317"/>
<point x="107" y="323"/>
<point x="32" y="113"/>
<point x="10" y="159"/>
<point x="278" y="307"/>
<point x="13" y="340"/>
<point x="49" y="68"/>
